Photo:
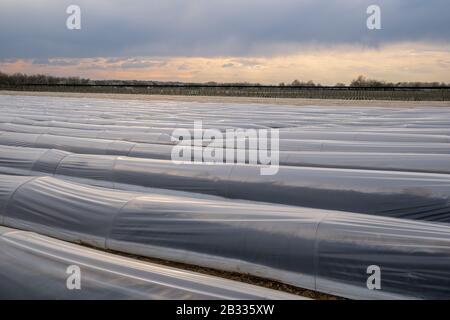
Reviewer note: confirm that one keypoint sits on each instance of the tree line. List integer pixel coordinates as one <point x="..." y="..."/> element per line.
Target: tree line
<point x="362" y="81"/>
<point x="18" y="79"/>
<point x="23" y="79"/>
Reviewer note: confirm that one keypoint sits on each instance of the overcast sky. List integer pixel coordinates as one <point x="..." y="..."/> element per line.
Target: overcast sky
<point x="228" y="40"/>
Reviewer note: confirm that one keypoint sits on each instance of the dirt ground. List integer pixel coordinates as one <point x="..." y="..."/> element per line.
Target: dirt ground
<point x="245" y="278"/>
<point x="218" y="99"/>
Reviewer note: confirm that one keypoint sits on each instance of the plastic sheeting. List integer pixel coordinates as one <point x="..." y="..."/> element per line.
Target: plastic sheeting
<point x="171" y="114"/>
<point x="162" y="135"/>
<point x="438" y="162"/>
<point x="144" y="137"/>
<point x="27" y="257"/>
<point x="324" y="129"/>
<point x="149" y="150"/>
<point x="323" y="250"/>
<point x="417" y="196"/>
<point x="358" y="185"/>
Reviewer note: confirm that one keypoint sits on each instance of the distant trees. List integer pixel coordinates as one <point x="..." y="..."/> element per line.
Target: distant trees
<point x="362" y="81"/>
<point x="422" y="84"/>
<point x="297" y="83"/>
<point x="17" y="79"/>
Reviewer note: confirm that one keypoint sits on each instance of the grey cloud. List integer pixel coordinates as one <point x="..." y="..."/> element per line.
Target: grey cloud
<point x="56" y="62"/>
<point x="142" y="64"/>
<point x="228" y="65"/>
<point x="249" y="63"/>
<point x="8" y="60"/>
<point x="115" y="28"/>
<point x="183" y="67"/>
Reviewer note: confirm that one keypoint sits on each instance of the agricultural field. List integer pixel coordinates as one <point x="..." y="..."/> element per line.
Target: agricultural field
<point x="337" y="201"/>
<point x="292" y="92"/>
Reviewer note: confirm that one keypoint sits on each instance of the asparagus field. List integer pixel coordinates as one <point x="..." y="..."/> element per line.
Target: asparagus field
<point x="356" y="202"/>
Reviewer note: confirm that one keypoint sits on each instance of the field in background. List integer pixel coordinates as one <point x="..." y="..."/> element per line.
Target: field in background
<point x="344" y="93"/>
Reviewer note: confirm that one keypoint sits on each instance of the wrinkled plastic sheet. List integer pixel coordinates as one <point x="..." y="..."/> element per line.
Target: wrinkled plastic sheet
<point x="323" y="250"/>
<point x="416" y="162"/>
<point x="145" y="137"/>
<point x="170" y="114"/>
<point x="35" y="267"/>
<point x="43" y="121"/>
<point x="148" y="150"/>
<point x="163" y="135"/>
<point x="410" y="195"/>
<point x="352" y="170"/>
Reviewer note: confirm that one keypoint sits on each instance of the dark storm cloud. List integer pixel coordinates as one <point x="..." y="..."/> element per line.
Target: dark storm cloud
<point x="118" y="28"/>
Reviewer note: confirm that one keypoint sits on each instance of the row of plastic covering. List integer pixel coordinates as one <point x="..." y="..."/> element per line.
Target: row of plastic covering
<point x="38" y="267"/>
<point x="147" y="150"/>
<point x="437" y="160"/>
<point x="327" y="251"/>
<point x="417" y="196"/>
<point x="338" y="131"/>
<point x="132" y="136"/>
<point x="178" y="114"/>
<point x="163" y="135"/>
<point x="344" y="132"/>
